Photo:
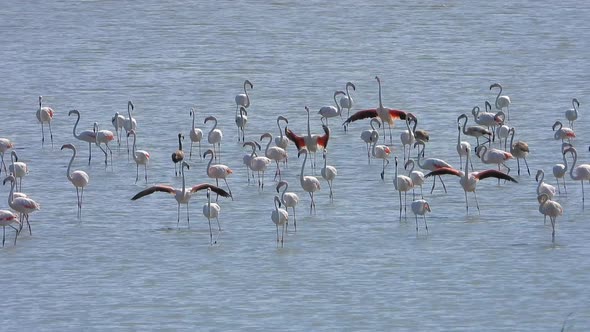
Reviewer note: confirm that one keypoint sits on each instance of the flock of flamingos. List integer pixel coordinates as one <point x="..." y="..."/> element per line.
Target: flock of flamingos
<point x="490" y="126"/>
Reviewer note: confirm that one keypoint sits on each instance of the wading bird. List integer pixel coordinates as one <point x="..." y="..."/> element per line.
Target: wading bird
<point x="141" y="157"/>
<point x="289" y="199"/>
<point x="88" y="136"/>
<point x="45" y="115"/>
<point x="78" y="178"/>
<point x="178" y="155"/>
<point x="311" y="142"/>
<point x="196" y="135"/>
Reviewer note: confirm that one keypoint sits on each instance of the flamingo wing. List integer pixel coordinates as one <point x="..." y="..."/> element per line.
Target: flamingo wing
<point x="153" y="189"/>
<point x="370" y="113"/>
<point x="323" y="140"/>
<point x="492" y="173"/>
<point x="213" y="188"/>
<point x="445" y="171"/>
<point x="298" y="140"/>
<point x="397" y="114"/>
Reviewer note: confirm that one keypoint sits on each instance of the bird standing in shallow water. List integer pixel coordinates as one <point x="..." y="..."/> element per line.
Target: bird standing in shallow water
<point x="178" y="155"/>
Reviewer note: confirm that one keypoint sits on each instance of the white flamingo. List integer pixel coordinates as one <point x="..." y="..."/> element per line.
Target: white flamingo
<point x="329" y="173"/>
<point x="347" y="101"/>
<point x="309" y="183"/>
<point x="501" y="101"/>
<point x="275" y="153"/>
<point x="24" y="205"/>
<point x="330" y="111"/>
<point x="243" y="99"/>
<point x="380" y="152"/>
<point x="281" y="141"/>
<point x="463" y="148"/>
<point x="247" y="160"/>
<point x="502" y="133"/>
<point x="45" y="115"/>
<point x="104" y="137"/>
<point x="18" y="169"/>
<point x="88" y="136"/>
<point x="241" y="121"/>
<point x="5" y="145"/>
<point x="431" y="164"/>
<point x="407" y="136"/>
<point x="562" y="133"/>
<point x="211" y="210"/>
<point x="78" y="178"/>
<point x="196" y="135"/>
<point x="417" y="177"/>
<point x="280" y="217"/>
<point x="519" y="150"/>
<point x="578" y="173"/>
<point x="258" y="164"/>
<point x="129" y="123"/>
<point x="218" y="171"/>
<point x="7" y="218"/>
<point x="289" y="199"/>
<point x="118" y="121"/>
<point x="141" y="157"/>
<point x="559" y="170"/>
<point x="182" y="195"/>
<point x="543" y="187"/>
<point x="367" y="136"/>
<point x="572" y="114"/>
<point x="214" y="136"/>
<point x="550" y="208"/>
<point x="403" y="184"/>
<point x="420" y="207"/>
<point x="493" y="156"/>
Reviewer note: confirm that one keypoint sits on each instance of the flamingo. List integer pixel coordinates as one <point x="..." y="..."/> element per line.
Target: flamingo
<point x="330" y="111"/>
<point x="572" y="114"/>
<point x="24" y="205"/>
<point x="417" y="177"/>
<point x="542" y="187"/>
<point x="493" y="156"/>
<point x="431" y="164"/>
<point x="88" y="136"/>
<point x="559" y="170"/>
<point x="178" y="155"/>
<point x="367" y="136"/>
<point x="45" y="114"/>
<point x="141" y="157"/>
<point x="329" y="173"/>
<point x="289" y="199"/>
<point x="5" y="145"/>
<point x="311" y="142"/>
<point x="562" y="133"/>
<point x="402" y="183"/>
<point x="380" y="152"/>
<point x="463" y="148"/>
<point x="247" y="160"/>
<point x="469" y="180"/>
<point x="7" y="218"/>
<point x="519" y="150"/>
<point x="487" y="119"/>
<point x="281" y="141"/>
<point x="243" y="99"/>
<point x="182" y="195"/>
<point x="420" y="135"/>
<point x="241" y="121"/>
<point x="550" y="208"/>
<point x="280" y="217"/>
<point x="502" y="132"/>
<point x="214" y="136"/>
<point x="104" y="137"/>
<point x="385" y="114"/>
<point x="578" y="173"/>
<point x="18" y="169"/>
<point x="347" y="101"/>
<point x="474" y="131"/>
<point x="309" y="183"/>
<point x="420" y="207"/>
<point x="118" y="121"/>
<point x="275" y="153"/>
<point x="211" y="210"/>
<point x="407" y="136"/>
<point x="501" y="101"/>
<point x="258" y="164"/>
<point x="218" y="171"/>
<point x="129" y="123"/>
<point x="78" y="178"/>
<point x="196" y="135"/>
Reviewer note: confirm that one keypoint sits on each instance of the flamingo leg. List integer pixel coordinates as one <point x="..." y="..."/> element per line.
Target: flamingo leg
<point x="433" y="184"/>
<point x="443" y="184"/>
<point x="81" y="200"/>
<point x="89" y="152"/>
<point x="188" y="222"/>
<point x="178" y="215"/>
<point x="200" y="154"/>
<point x="425" y="224"/>
<point x="294" y="219"/>
<point x="136" y="172"/>
<point x="331" y="193"/>
<point x="127" y="148"/>
<point x="15" y="235"/>
<point x="518" y="165"/>
<point x="466" y="201"/>
<point x="415" y="215"/>
<point x="527" y="166"/>
<point x="582" y="194"/>
<point x="461" y="162"/>
<point x="210" y="231"/>
<point x="283" y="237"/>
<point x="405" y="204"/>
<point x="553" y="229"/>
<point x="145" y="171"/>
<point x="476" y="202"/>
<point x="277" y="234"/>
<point x="228" y="189"/>
<point x="400" y="205"/>
<point x="28" y="224"/>
<point x="3" y="235"/>
<point x="50" y="133"/>
<point x="78" y="198"/>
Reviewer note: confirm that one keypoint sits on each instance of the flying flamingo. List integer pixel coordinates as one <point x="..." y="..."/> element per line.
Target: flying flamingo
<point x="118" y="121"/>
<point x="279" y="217"/>
<point x="104" y="137"/>
<point x="88" y="136"/>
<point x="243" y="99"/>
<point x="542" y="187"/>
<point x="407" y="136"/>
<point x="7" y="218"/>
<point x="330" y="111"/>
<point x="218" y="171"/>
<point x="178" y="155"/>
<point x="22" y="205"/>
<point x="182" y="195"/>
<point x="275" y="153"/>
<point x="141" y="157"/>
<point x="258" y="164"/>
<point x="309" y="183"/>
<point x="572" y="114"/>
<point x="380" y="152"/>
<point x="417" y="177"/>
<point x="501" y="101"/>
<point x="387" y="115"/>
<point x="311" y="142"/>
<point x="550" y="208"/>
<point x="402" y="183"/>
<point x="5" y="145"/>
<point x="196" y="135"/>
<point x="214" y="136"/>
<point x="18" y="169"/>
<point x="289" y="199"/>
<point x="431" y="164"/>
<point x="559" y="170"/>
<point x="45" y="114"/>
<point x="241" y="121"/>
<point x="474" y="131"/>
<point x="367" y="136"/>
<point x="469" y="180"/>
<point x="578" y="173"/>
<point x="347" y="101"/>
<point x="78" y="178"/>
<point x="129" y="123"/>
<point x="211" y="210"/>
<point x="420" y="207"/>
<point x="329" y="173"/>
<point x="463" y="148"/>
<point x="519" y="150"/>
<point x="562" y="132"/>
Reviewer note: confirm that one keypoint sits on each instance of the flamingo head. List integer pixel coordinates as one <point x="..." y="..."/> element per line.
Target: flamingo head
<point x="130" y="105"/>
<point x="495" y="85"/>
<point x="488" y="106"/>
<point x="74" y="112"/>
<point x="180" y="136"/>
<point x="557" y="123"/>
<point x="210" y="118"/>
<point x="131" y="132"/>
<point x="542" y="198"/>
<point x="280" y="117"/>
<point x="67" y="146"/>
<point x="266" y="135"/>
<point x="302" y="151"/>
<point x="192" y="111"/>
<point x="427" y="207"/>
<point x="350" y="84"/>
<point x="539" y="172"/>
<point x="243" y="110"/>
<point x="280" y="184"/>
<point x="8" y="178"/>
<point x="247" y="82"/>
<point x="185" y="164"/>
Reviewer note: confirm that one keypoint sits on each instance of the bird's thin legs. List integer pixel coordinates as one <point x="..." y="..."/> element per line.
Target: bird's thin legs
<point x="476" y="202"/>
<point x="228" y="189"/>
<point x="294" y="219"/>
<point x="400" y="204"/>
<point x="331" y="193"/>
<point x="145" y="171"/>
<point x="443" y="184"/>
<point x="178" y="216"/>
<point x="137" y="172"/>
<point x="89" y="152"/>
<point x="188" y="222"/>
<point x="425" y="224"/>
<point x="50" y="133"/>
<point x="210" y="231"/>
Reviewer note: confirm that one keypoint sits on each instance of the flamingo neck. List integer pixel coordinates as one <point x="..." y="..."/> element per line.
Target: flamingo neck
<point x="420" y="152"/>
<point x="395" y="176"/>
<point x="267" y="146"/>
<point x="283" y="194"/>
<point x="183" y="181"/>
<point x="464" y="118"/>
<point x="484" y="153"/>
<point x="179" y="142"/>
<point x="193" y="120"/>
<point x="338" y="109"/>
<point x="76" y="125"/>
<point x="133" y="148"/>
<point x="303" y="168"/>
<point x="247" y="97"/>
<point x="11" y="195"/>
<point x="575" y="154"/>
<point x="540" y="181"/>
<point x="280" y="130"/>
<point x="498" y="97"/>
<point x="308" y="125"/>
<point x="69" y="175"/>
<point x="209" y="165"/>
<point x="380" y="101"/>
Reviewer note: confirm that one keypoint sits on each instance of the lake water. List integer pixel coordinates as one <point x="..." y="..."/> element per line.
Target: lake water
<point x="353" y="265"/>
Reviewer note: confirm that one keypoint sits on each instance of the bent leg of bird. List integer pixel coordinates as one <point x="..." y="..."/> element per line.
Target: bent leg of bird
<point x="527" y="166"/>
<point x="228" y="189"/>
<point x="111" y="153"/>
<point x="105" y="154"/>
<point x="331" y="194"/>
<point x="433" y="184"/>
<point x="443" y="184"/>
<point x="471" y="166"/>
<point x="28" y="224"/>
<point x="16" y="234"/>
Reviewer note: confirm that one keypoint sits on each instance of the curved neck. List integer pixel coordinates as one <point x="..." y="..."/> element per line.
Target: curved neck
<point x="575" y="154"/>
<point x="179" y="142"/>
<point x="284" y="191"/>
<point x="247" y="97"/>
<point x="410" y="131"/>
<point x="575" y="104"/>
<point x="277" y="202"/>
<point x="374" y="144"/>
<point x="411" y="162"/>
<point x="280" y="130"/>
<point x="303" y="168"/>
<point x="133" y="148"/>
<point x="76" y="125"/>
<point x="214" y="125"/>
<point x="348" y="92"/>
<point x="475" y="111"/>
<point x="564" y="160"/>
<point x="11" y="195"/>
<point x="464" y="118"/>
<point x="70" y="165"/>
<point x="268" y="145"/>
<point x="540" y="181"/>
<point x="420" y="152"/>
<point x="511" y="137"/>
<point x="129" y="111"/>
<point x="371" y="123"/>
<point x="210" y="162"/>
<point x="338" y="109"/>
<point x="498" y="97"/>
<point x="484" y="152"/>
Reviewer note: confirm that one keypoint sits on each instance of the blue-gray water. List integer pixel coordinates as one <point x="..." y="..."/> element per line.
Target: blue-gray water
<point x="353" y="265"/>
